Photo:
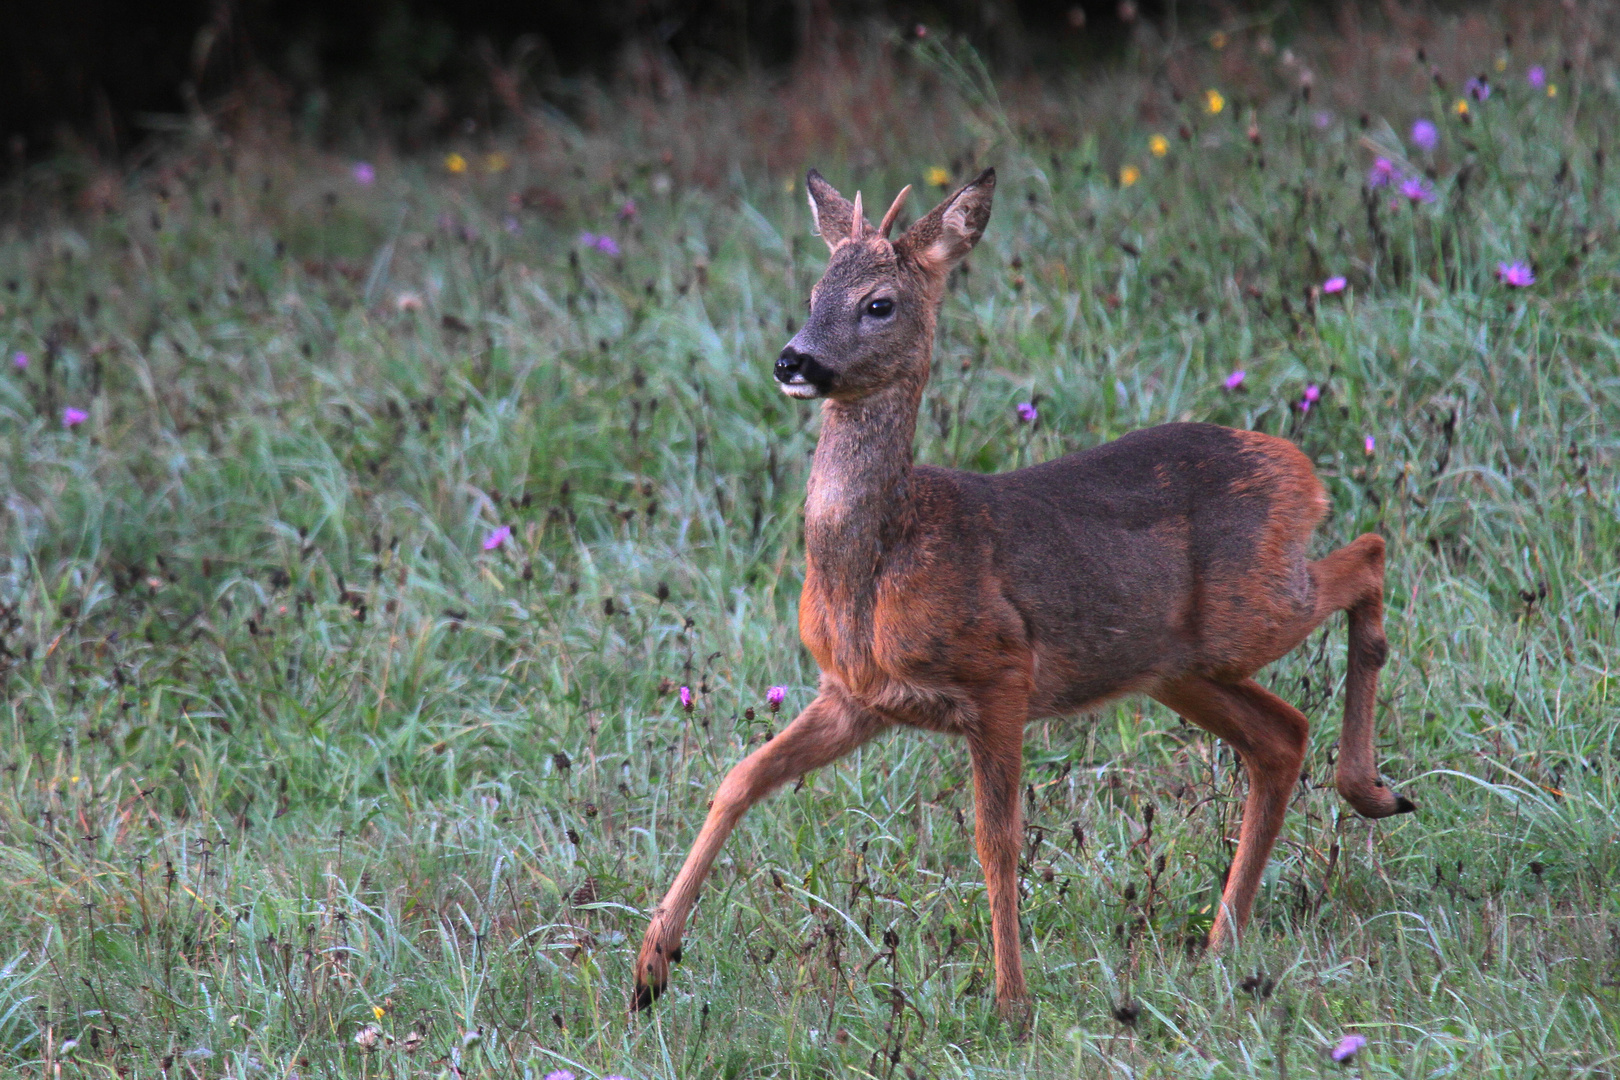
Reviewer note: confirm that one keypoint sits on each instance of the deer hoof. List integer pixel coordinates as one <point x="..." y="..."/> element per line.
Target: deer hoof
<point x="1377" y="802"/>
<point x="645" y="996"/>
<point x="1018" y="1015"/>
<point x="650" y="979"/>
<point x="652" y="969"/>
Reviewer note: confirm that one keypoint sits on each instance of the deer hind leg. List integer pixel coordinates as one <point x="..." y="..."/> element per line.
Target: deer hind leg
<point x="1352" y="580"/>
<point x="1269" y="735"/>
<point x="996" y="748"/>
<point x="829" y="727"/>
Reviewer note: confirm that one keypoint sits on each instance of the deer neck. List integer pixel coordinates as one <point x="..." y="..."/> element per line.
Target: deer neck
<point x="859" y="489"/>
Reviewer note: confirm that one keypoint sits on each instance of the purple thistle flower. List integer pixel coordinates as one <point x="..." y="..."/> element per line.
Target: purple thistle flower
<point x="774" y="696"/>
<point x="601" y="242"/>
<point x="1347" y="1047"/>
<point x="1536" y="77"/>
<point x="497" y="538"/>
<point x="1027" y="412"/>
<point x="628" y="211"/>
<point x="1425" y="136"/>
<point x="1382" y="174"/>
<point x="559" y="1074"/>
<point x="20" y="361"/>
<point x="1234" y="380"/>
<point x="1313" y="394"/>
<point x="363" y="173"/>
<point x="72" y="418"/>
<point x="1515" y="274"/>
<point x="1417" y="190"/>
<point x="1334" y="284"/>
<point x="1478" y="88"/>
<point x="686" y="698"/>
<point x="1369" y="444"/>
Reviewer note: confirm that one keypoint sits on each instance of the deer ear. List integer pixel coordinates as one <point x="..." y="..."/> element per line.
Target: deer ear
<point x="833" y="214"/>
<point x="942" y="237"/>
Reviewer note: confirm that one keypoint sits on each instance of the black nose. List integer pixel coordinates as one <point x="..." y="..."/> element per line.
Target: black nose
<point x="790" y="363"/>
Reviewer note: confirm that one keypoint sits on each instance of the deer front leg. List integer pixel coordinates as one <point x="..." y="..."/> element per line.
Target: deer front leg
<point x="996" y="747"/>
<point x="829" y="727"/>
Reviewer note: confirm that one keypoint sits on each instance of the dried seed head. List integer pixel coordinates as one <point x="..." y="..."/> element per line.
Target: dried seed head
<point x="1126" y="1012"/>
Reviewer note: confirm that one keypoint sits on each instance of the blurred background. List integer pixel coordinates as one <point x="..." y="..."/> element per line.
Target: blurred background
<point x="101" y="76"/>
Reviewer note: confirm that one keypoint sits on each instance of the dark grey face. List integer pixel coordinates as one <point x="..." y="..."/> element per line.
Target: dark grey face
<point x="861" y="319"/>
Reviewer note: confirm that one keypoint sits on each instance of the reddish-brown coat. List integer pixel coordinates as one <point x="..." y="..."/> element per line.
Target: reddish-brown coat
<point x="1170" y="562"/>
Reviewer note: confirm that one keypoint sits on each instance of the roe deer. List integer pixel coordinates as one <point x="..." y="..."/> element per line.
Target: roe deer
<point x="1170" y="562"/>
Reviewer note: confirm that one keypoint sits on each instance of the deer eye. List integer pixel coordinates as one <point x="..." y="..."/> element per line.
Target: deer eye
<point x="880" y="309"/>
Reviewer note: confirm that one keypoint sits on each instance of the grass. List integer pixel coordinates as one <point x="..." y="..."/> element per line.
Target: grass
<point x="287" y="752"/>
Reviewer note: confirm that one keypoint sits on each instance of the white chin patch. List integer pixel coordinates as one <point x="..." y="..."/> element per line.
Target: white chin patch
<point x="799" y="388"/>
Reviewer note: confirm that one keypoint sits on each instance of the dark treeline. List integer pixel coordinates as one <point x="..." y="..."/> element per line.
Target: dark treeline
<point x="91" y="74"/>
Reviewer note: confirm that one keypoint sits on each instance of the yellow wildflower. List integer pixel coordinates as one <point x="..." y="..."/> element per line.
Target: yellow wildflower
<point x="377" y="1011"/>
<point x="938" y="177"/>
<point x="1552" y="89"/>
<point x="1214" y="102"/>
<point x="1461" y="108"/>
<point x="496" y="162"/>
<point x="1217" y="40"/>
<point x="788" y="186"/>
<point x="1129" y="175"/>
<point x="1158" y="145"/>
<point x="455" y="163"/>
<point x="1501" y="63"/>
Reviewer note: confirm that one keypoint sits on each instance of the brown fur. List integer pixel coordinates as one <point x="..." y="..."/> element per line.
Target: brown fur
<point x="1170" y="562"/>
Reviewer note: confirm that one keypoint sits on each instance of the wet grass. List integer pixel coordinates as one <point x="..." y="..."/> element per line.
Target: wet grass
<point x="285" y="752"/>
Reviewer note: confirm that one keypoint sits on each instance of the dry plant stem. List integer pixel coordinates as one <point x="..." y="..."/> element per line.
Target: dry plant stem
<point x="1170" y="562"/>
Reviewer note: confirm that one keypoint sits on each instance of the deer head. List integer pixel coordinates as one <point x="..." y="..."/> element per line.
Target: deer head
<point x="872" y="313"/>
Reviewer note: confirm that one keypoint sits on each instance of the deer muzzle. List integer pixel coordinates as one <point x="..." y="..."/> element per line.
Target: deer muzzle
<point x="801" y="375"/>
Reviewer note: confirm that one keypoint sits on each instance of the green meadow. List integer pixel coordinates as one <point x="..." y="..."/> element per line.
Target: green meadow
<point x="343" y="617"/>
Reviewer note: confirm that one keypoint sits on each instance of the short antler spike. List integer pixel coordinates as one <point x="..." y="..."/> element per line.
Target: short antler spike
<point x="858" y="227"/>
<point x="894" y="211"/>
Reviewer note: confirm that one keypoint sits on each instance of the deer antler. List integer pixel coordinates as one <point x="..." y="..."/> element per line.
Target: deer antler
<point x="894" y="211"/>
<point x="858" y="227"/>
